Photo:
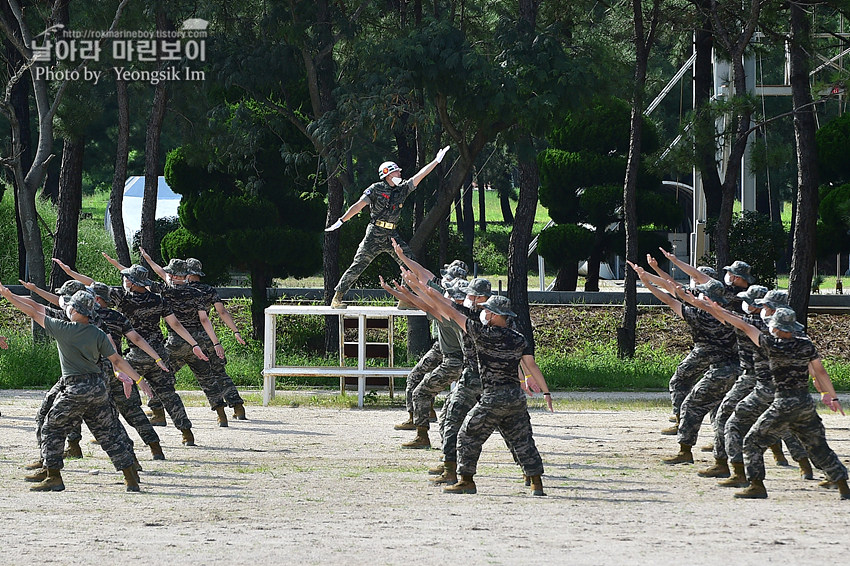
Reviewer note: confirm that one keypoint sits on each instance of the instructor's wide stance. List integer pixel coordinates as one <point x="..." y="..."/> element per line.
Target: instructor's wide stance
<point x="385" y="199"/>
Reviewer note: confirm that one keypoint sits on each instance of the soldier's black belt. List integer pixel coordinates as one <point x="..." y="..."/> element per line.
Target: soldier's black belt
<point x="81" y="378"/>
<point x="798" y="392"/>
<point x="382" y="224"/>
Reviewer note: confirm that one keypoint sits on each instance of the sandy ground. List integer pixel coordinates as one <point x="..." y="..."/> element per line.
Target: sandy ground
<point x="328" y="486"/>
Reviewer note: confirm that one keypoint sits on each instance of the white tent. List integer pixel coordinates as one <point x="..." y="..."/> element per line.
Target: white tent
<point x="134" y="191"/>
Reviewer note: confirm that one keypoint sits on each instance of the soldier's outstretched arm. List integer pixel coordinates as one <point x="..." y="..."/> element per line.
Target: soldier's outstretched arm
<point x="421" y="273"/>
<point x="692" y="271"/>
<point x="73" y="274"/>
<point x="645" y="278"/>
<point x="145" y="347"/>
<point x="51" y="298"/>
<point x="21" y="305"/>
<point x="114" y="262"/>
<point x="228" y="321"/>
<point x="422" y="173"/>
<point x="352" y="211"/>
<point x="154" y="265"/>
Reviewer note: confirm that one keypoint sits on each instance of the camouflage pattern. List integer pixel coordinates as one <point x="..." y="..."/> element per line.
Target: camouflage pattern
<point x="41" y="414"/>
<point x="743" y="386"/>
<point x="747" y="412"/>
<point x="144" y="310"/>
<point x="712" y="344"/>
<point x="161" y="382"/>
<point x="503" y="409"/>
<point x="185" y="302"/>
<point x="375" y="242"/>
<point x="429" y="362"/>
<point x="789" y="360"/>
<point x="792" y="411"/>
<point x="437" y="380"/>
<point x="705" y="396"/>
<point x="208" y="298"/>
<point x="180" y="354"/>
<point x="83" y="396"/>
<point x="386" y="202"/>
<point x="458" y="405"/>
<point x="499" y="350"/>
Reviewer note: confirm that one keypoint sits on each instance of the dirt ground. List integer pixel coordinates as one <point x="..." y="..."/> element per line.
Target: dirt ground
<point x="327" y="486"/>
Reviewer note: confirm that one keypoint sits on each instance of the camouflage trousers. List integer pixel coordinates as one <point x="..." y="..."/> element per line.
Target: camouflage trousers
<point x="83" y="397"/>
<point x="743" y="386"/>
<point x="705" y="396"/>
<point x="687" y="373"/>
<point x="374" y="243"/>
<point x="458" y="405"/>
<point x="429" y="362"/>
<point x="503" y="409"/>
<point x="229" y="393"/>
<point x="437" y="380"/>
<point x="128" y="407"/>
<point x="747" y="412"/>
<point x="161" y="382"/>
<point x="791" y="411"/>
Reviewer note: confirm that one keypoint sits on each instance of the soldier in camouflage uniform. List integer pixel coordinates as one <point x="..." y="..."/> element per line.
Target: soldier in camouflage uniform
<point x="502" y="405"/>
<point x="117" y="326"/>
<point x="748" y="410"/>
<point x="385" y="200"/>
<point x="792" y="358"/>
<point x="719" y="346"/>
<point x="145" y="309"/>
<point x="82" y="393"/>
<point x="743" y="385"/>
<point x="449" y="343"/>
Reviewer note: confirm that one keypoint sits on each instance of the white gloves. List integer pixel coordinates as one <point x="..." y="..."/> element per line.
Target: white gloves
<point x="334" y="226"/>
<point x="442" y="153"/>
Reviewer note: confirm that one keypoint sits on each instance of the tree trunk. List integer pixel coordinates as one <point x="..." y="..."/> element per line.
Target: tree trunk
<point x="116" y="196"/>
<point x="19" y="100"/>
<point x="591" y="283"/>
<point x="704" y="128"/>
<point x="505" y="204"/>
<point x="803" y="258"/>
<point x="260" y="281"/>
<point x="68" y="209"/>
<point x="529" y="181"/>
<point x="567" y="278"/>
<point x="152" y="171"/>
<point x="482" y="208"/>
<point x="468" y="220"/>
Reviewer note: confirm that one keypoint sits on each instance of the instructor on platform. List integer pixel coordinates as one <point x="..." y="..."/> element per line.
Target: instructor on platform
<point x="385" y="198"/>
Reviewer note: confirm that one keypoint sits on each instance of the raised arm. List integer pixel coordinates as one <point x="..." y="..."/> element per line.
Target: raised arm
<point x="645" y="278"/>
<point x="154" y="266"/>
<point x="421" y="273"/>
<point x="73" y="274"/>
<point x="692" y="271"/>
<point x="422" y="173"/>
<point x="22" y="306"/>
<point x="51" y="298"/>
<point x="438" y="305"/>
<point x="114" y="262"/>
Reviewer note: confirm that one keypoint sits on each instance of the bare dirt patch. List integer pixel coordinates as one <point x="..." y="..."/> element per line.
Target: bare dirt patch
<point x="328" y="486"/>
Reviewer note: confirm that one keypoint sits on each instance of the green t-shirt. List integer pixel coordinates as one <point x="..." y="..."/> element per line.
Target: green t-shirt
<point x="80" y="345"/>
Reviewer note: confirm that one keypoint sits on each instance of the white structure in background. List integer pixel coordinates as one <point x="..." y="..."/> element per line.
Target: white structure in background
<point x="134" y="191"/>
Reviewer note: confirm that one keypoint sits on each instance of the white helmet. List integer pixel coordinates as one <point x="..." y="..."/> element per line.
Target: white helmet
<point x="387" y="167"/>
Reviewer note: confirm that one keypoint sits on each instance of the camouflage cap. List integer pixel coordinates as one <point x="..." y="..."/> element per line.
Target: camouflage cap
<point x="741" y="269"/>
<point x="100" y="290"/>
<point x="70" y="287"/>
<point x="710" y="271"/>
<point x="177" y="267"/>
<point x="457" y="268"/>
<point x="194" y="266"/>
<point x="498" y="304"/>
<point x="458" y="291"/>
<point x="774" y="299"/>
<point x="137" y="275"/>
<point x="479" y="287"/>
<point x="785" y="319"/>
<point x="82" y="302"/>
<point x="752" y="293"/>
<point x="714" y="290"/>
